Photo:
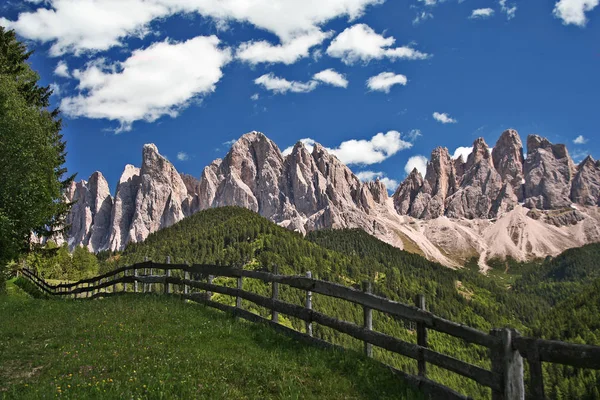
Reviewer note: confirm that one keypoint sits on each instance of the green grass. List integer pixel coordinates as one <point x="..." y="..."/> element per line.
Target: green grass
<point x="152" y="347"/>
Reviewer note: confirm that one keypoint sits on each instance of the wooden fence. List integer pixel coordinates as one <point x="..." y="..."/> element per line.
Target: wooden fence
<point x="507" y="347"/>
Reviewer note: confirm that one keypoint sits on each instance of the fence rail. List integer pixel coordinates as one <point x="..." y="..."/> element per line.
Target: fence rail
<point x="506" y="347"/>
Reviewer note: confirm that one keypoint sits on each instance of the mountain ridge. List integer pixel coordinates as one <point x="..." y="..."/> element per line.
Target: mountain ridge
<point x="497" y="203"/>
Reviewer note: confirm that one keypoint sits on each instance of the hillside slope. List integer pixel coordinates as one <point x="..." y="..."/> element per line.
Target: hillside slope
<point x="163" y="348"/>
<point x="236" y="236"/>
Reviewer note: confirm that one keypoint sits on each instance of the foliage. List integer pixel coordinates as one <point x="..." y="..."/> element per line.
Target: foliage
<point x="33" y="154"/>
<point x="162" y="348"/>
<point x="54" y="262"/>
<point x="512" y="294"/>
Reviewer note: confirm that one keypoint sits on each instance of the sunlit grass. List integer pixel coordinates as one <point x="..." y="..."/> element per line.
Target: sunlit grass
<point x="163" y="348"/>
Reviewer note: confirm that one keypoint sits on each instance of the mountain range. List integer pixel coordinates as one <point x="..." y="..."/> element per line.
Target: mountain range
<point x="498" y="203"/>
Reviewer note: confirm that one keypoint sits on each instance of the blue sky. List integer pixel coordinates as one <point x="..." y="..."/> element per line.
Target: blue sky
<point x="380" y="82"/>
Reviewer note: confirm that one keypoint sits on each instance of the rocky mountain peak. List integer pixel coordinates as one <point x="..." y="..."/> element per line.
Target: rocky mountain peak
<point x="481" y="152"/>
<point x="548" y="172"/>
<point x="89" y="218"/>
<point x="585" y="189"/>
<point x="161" y="197"/>
<point x="508" y="160"/>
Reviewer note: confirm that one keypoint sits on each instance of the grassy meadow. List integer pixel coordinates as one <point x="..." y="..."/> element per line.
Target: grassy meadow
<point x="152" y="347"/>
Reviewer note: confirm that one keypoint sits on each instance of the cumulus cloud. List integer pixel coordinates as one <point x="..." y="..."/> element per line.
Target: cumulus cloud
<point x="279" y="85"/>
<point x="482" y="13"/>
<point x="419" y="162"/>
<point x="444" y="118"/>
<point x="254" y="97"/>
<point x="573" y="11"/>
<point x="385" y="80"/>
<point x="463" y="152"/>
<point x="159" y="80"/>
<point x="182" y="156"/>
<point x="331" y="77"/>
<point x="367" y="176"/>
<point x="363" y="152"/>
<point x="580" y="140"/>
<point x="78" y="26"/>
<point x="287" y="53"/>
<point x="62" y="70"/>
<point x="361" y="43"/>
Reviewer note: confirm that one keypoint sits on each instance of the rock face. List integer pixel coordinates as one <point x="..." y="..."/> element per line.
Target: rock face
<point x="548" y="173"/>
<point x="508" y="160"/>
<point x="489" y="185"/>
<point x="494" y="204"/>
<point x="161" y="196"/>
<point x="90" y="214"/>
<point x="586" y="185"/>
<point x="303" y="191"/>
<point x="124" y="207"/>
<point x="480" y="187"/>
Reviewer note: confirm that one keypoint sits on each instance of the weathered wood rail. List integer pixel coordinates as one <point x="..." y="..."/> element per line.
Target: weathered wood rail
<point x="507" y="347"/>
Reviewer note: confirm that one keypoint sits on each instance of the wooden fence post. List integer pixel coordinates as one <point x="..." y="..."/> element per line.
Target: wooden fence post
<point x="210" y="281"/>
<point x="238" y="299"/>
<point x="135" y="282"/>
<point x="275" y="294"/>
<point x="151" y="274"/>
<point x="125" y="283"/>
<point x="309" y="327"/>
<point x="421" y="336"/>
<point x="167" y="275"/>
<point x="114" y="283"/>
<point x="186" y="276"/>
<point x="368" y="319"/>
<point x="145" y="287"/>
<point x="508" y="364"/>
<point x="535" y="372"/>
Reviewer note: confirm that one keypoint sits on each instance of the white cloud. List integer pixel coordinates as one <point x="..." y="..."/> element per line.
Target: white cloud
<point x="363" y="152"/>
<point x="481" y="13"/>
<point x="182" y="156"/>
<point x="580" y="140"/>
<point x="254" y="97"/>
<point x="385" y="80"/>
<point x="159" y="80"/>
<point x="287" y="53"/>
<point x="77" y="26"/>
<point x="367" y="176"/>
<point x="414" y="134"/>
<point x="421" y="17"/>
<point x="419" y="162"/>
<point x="331" y="77"/>
<point x="361" y="43"/>
<point x="430" y="2"/>
<point x="444" y="118"/>
<point x="462" y="152"/>
<point x="307" y="142"/>
<point x="573" y="11"/>
<point x="56" y="89"/>
<point x="62" y="69"/>
<point x="281" y="85"/>
<point x="509" y="10"/>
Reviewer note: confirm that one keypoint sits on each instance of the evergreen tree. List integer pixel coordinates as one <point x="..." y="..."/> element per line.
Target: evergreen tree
<point x="33" y="154"/>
